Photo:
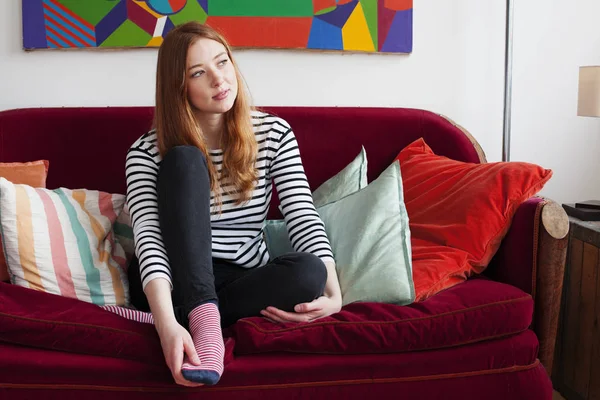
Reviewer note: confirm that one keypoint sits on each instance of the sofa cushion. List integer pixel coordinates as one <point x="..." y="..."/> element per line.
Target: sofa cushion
<point x="370" y="239"/>
<point x="459" y="373"/>
<point x="31" y="173"/>
<point x="62" y="242"/>
<point x="473" y="311"/>
<point x="349" y="180"/>
<point x="461" y="210"/>
<point x="32" y="318"/>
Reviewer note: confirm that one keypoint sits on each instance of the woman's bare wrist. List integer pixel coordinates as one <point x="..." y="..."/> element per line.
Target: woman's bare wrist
<point x="158" y="292"/>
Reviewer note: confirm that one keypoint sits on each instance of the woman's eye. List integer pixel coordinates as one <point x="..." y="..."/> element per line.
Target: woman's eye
<point x="197" y="74"/>
<point x="223" y="62"/>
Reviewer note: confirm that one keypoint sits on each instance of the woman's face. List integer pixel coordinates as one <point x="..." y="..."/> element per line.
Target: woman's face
<point x="211" y="80"/>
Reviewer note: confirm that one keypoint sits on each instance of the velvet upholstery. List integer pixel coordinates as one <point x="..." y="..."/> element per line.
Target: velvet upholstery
<point x="515" y="260"/>
<point x="58" y="348"/>
<point x="477" y="310"/>
<point x="497" y="369"/>
<point x="40" y="319"/>
<point x="102" y="136"/>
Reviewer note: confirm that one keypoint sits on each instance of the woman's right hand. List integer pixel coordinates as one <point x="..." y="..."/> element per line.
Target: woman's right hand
<point x="175" y="340"/>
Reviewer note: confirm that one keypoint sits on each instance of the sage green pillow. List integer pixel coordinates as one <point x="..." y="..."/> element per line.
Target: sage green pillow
<point x="349" y="180"/>
<point x="370" y="239"/>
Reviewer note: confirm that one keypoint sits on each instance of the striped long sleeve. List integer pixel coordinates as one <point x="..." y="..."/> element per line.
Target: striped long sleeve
<point x="236" y="229"/>
<point x="305" y="227"/>
<point x="141" y="170"/>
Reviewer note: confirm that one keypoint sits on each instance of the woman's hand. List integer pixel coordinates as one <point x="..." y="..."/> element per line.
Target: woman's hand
<point x="175" y="340"/>
<point x="329" y="303"/>
<point x="306" y="312"/>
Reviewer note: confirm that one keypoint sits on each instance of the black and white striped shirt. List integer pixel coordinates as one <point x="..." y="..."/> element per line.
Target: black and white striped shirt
<point x="237" y="230"/>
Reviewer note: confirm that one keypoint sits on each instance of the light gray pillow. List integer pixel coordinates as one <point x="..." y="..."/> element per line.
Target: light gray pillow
<point x="370" y="239"/>
<point x="349" y="180"/>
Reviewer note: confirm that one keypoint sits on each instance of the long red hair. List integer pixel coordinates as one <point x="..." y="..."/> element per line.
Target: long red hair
<point x="176" y="123"/>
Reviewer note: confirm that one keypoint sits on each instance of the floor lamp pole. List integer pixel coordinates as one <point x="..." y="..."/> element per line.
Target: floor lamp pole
<point x="507" y="80"/>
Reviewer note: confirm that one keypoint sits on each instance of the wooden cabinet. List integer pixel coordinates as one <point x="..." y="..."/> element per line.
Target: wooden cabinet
<point x="577" y="367"/>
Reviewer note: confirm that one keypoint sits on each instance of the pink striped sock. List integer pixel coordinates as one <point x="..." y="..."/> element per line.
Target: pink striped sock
<point x="205" y="327"/>
<point x="134" y="315"/>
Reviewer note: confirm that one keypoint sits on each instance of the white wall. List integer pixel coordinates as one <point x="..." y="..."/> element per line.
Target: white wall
<point x="456" y="68"/>
<point x="552" y="38"/>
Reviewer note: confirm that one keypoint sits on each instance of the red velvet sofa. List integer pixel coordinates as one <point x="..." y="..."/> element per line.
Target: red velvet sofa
<point x="491" y="337"/>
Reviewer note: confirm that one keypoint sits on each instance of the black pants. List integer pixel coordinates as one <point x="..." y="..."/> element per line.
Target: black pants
<point x="184" y="213"/>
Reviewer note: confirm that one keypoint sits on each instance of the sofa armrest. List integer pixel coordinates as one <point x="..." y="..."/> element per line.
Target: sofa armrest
<point x="532" y="257"/>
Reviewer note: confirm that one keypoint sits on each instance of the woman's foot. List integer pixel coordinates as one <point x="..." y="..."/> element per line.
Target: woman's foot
<point x="205" y="329"/>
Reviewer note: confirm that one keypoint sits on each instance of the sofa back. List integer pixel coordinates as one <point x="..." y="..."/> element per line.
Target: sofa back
<point x="86" y="146"/>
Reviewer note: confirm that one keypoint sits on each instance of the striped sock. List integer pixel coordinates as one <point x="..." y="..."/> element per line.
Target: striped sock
<point x="205" y="327"/>
<point x="134" y="315"/>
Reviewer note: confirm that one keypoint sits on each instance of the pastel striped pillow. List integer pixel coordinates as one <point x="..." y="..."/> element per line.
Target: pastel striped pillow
<point x="62" y="242"/>
<point x="124" y="233"/>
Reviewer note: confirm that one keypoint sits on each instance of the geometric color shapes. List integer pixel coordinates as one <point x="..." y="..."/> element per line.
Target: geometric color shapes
<point x="130" y="33"/>
<point x="385" y="17"/>
<point x="144" y="18"/>
<point x="63" y="16"/>
<point x="370" y="10"/>
<point x="191" y="12"/>
<point x="37" y="37"/>
<point x="325" y="11"/>
<point x="356" y="33"/>
<point x="399" y="38"/>
<point x="64" y="29"/>
<point x="339" y="15"/>
<point x="177" y="5"/>
<point x="342" y="25"/>
<point x="160" y="27"/>
<point x="145" y="6"/>
<point x="60" y="37"/>
<point x="320" y="5"/>
<point x="168" y="26"/>
<point x="159" y="6"/>
<point x="399" y="5"/>
<point x="111" y="22"/>
<point x="262" y="8"/>
<point x="325" y="36"/>
<point x="90" y="10"/>
<point x="166" y="7"/>
<point x="261" y="32"/>
<point x="155" y="41"/>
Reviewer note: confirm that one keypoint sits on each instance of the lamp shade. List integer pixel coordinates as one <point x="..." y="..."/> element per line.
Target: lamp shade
<point x="589" y="92"/>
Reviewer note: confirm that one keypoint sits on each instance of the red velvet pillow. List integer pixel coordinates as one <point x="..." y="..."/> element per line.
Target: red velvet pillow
<point x="459" y="212"/>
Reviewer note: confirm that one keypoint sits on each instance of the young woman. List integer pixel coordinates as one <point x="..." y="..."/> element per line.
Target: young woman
<point x="198" y="188"/>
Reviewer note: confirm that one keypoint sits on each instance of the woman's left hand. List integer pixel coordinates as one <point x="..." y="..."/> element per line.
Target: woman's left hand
<point x="306" y="312"/>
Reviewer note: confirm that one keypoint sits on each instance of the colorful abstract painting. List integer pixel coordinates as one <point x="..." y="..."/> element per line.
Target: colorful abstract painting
<point x="339" y="25"/>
